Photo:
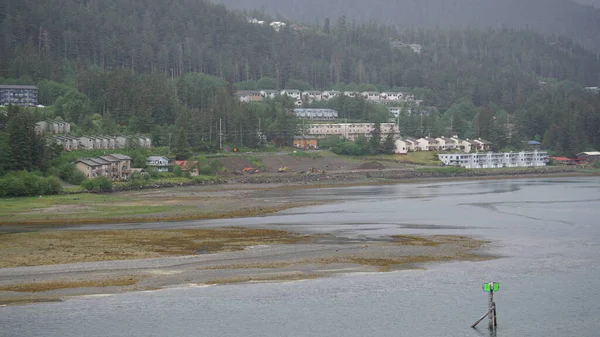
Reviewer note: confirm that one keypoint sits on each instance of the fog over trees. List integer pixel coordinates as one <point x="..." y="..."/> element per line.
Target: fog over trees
<point x="562" y="17"/>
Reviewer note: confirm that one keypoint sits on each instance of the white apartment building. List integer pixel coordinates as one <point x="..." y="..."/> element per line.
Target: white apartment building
<point x="312" y="95"/>
<point x="330" y="94"/>
<point x="495" y="160"/>
<point x="349" y="131"/>
<point x="295" y="94"/>
<point x="316" y="114"/>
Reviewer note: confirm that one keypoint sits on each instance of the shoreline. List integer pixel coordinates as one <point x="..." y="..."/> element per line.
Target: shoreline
<point x="238" y="187"/>
<point x="81" y="270"/>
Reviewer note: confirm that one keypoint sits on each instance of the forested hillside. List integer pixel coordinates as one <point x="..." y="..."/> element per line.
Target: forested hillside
<point x="550" y="17"/>
<point x="169" y="68"/>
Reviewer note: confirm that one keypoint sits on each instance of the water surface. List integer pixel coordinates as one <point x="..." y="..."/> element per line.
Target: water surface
<point x="547" y="231"/>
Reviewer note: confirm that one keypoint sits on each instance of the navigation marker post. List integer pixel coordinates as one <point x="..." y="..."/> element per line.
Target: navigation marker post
<point x="491" y="313"/>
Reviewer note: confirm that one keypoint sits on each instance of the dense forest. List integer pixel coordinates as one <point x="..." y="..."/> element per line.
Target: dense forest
<point x="566" y="18"/>
<point x="169" y="69"/>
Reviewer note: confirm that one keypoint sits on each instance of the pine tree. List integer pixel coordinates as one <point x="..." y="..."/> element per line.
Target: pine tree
<point x="20" y="135"/>
<point x="389" y="144"/>
<point x="375" y="140"/>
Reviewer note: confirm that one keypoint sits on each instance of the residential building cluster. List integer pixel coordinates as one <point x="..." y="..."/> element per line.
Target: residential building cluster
<point x="349" y="131"/>
<point x="52" y="126"/>
<point x="316" y="114"/>
<point x="24" y="95"/>
<point x="409" y="144"/>
<point x="299" y="97"/>
<point x="70" y="143"/>
<point x="495" y="160"/>
<point x="113" y="166"/>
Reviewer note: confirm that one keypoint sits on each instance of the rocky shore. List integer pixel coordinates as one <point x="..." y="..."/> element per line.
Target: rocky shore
<point x="397" y="175"/>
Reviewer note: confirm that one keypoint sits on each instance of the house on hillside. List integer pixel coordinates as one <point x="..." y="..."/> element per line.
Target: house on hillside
<point x="312" y="95"/>
<point x="401" y="147"/>
<point x="352" y="94"/>
<point x="90" y="168"/>
<point x="269" y="94"/>
<point x="248" y="96"/>
<point x="412" y="144"/>
<point x="469" y="145"/>
<point x="330" y="94"/>
<point x="124" y="165"/>
<point x="306" y="142"/>
<point x="591" y="157"/>
<point x="427" y="144"/>
<point x="370" y="95"/>
<point x="158" y="163"/>
<point x="190" y="167"/>
<point x="444" y="144"/>
<point x="296" y="95"/>
<point x="482" y="144"/>
<point x="456" y="143"/>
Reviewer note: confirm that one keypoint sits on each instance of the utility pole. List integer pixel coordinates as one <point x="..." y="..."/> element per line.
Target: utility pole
<point x="220" y="134"/>
<point x="169" y="148"/>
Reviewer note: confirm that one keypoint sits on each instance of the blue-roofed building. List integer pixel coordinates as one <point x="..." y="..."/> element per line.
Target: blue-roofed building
<point x="534" y="145"/>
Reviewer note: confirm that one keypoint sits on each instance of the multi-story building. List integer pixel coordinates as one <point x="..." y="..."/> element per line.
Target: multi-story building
<point x="495" y="160"/>
<point x="349" y="131"/>
<point x="316" y="114"/>
<point x="248" y="96"/>
<point x="52" y="126"/>
<point x="113" y="166"/>
<point x="18" y="95"/>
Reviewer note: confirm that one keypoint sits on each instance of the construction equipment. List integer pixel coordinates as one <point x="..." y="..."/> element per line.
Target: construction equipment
<point x="283" y="169"/>
<point x="250" y="170"/>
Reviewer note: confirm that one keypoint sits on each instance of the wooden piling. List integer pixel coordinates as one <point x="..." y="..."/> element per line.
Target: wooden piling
<point x="491" y="312"/>
<point x="491" y="306"/>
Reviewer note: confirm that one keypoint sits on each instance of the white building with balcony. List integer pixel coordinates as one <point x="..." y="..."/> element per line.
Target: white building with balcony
<point x="495" y="160"/>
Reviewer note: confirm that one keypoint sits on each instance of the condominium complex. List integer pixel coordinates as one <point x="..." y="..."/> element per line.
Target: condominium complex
<point x="495" y="160"/>
<point x="18" y="95"/>
<point x="349" y="131"/>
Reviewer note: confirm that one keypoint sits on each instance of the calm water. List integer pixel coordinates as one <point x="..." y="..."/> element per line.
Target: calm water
<point x="547" y="231"/>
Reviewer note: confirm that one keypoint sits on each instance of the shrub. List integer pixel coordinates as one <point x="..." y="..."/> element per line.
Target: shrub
<point x="210" y="168"/>
<point x="100" y="184"/>
<point x="69" y="173"/>
<point x="20" y="184"/>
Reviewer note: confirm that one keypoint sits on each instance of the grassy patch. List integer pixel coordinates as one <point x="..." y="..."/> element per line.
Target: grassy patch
<point x="419" y="158"/>
<point x="256" y="162"/>
<point x="55" y="247"/>
<point x="54" y="285"/>
<point x="306" y="154"/>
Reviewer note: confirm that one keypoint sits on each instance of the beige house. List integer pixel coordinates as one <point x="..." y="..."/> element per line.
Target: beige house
<point x="444" y="144"/>
<point x="412" y="144"/>
<point x="113" y="166"/>
<point x="401" y="147"/>
<point x="54" y="127"/>
<point x="427" y="144"/>
<point x="482" y="144"/>
<point x="248" y="96"/>
<point x="469" y="145"/>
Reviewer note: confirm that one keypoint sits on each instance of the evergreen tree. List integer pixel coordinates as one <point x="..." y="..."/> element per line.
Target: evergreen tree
<point x="21" y="138"/>
<point x="389" y="144"/>
<point x="375" y="140"/>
